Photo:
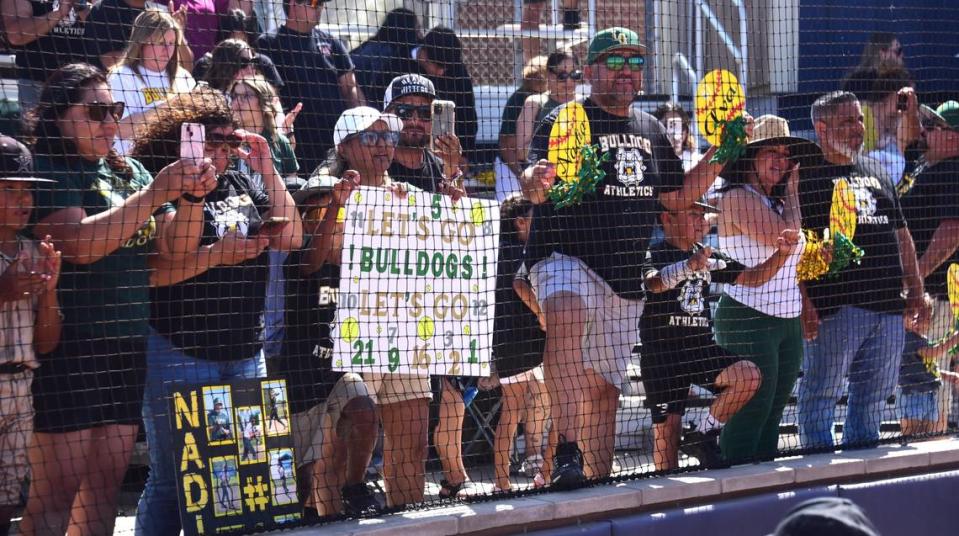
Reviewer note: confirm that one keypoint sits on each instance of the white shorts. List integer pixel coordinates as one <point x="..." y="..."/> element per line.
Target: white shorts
<point x="308" y="426"/>
<point x="529" y="375"/>
<point x="612" y="323"/>
<point x="396" y="388"/>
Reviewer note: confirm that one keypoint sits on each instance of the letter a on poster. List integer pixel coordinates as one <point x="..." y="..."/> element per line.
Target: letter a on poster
<point x="417" y="284"/>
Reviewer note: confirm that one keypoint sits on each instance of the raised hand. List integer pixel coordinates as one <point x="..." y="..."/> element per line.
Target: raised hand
<point x="787" y="241"/>
<point x="234" y="249"/>
<point x="700" y="260"/>
<point x="50" y="260"/>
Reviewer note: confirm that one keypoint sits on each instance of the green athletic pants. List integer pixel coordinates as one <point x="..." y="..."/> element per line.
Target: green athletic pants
<point x="775" y="345"/>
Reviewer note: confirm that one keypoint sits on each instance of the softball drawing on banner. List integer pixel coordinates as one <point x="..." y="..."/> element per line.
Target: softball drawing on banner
<point x="719" y="99"/>
<point x="842" y="211"/>
<point x="952" y="285"/>
<point x="569" y="134"/>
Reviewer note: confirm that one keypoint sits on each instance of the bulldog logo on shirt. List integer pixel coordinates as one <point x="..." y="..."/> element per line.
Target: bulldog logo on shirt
<point x="691" y="297"/>
<point x="629" y="166"/>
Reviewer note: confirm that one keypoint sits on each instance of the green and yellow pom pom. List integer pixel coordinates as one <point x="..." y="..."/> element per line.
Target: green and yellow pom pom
<point x="732" y="141"/>
<point x="566" y="193"/>
<point x="812" y="264"/>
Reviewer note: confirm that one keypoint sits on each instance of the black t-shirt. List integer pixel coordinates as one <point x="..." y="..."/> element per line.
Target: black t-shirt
<point x="679" y="320"/>
<point x="518" y="342"/>
<point x="63" y="44"/>
<point x="426" y="178"/>
<point x="610" y="229"/>
<point x="216" y="315"/>
<point x="108" y="28"/>
<point x="511" y="112"/>
<point x="377" y="63"/>
<point x="305" y="360"/>
<point x="876" y="283"/>
<point x="932" y="200"/>
<point x="311" y="66"/>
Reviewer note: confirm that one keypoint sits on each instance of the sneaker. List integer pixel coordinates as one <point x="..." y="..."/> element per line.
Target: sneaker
<point x="567" y="466"/>
<point x="532" y="465"/>
<point x="358" y="500"/>
<point x="704" y="446"/>
<point x="571" y="20"/>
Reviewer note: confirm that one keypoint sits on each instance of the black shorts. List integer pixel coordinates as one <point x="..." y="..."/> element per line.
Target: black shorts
<point x="668" y="375"/>
<point x="86" y="383"/>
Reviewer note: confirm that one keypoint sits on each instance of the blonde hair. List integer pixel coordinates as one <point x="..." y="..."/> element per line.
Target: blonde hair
<point x="267" y="97"/>
<point x="146" y="28"/>
<point x="534" y="72"/>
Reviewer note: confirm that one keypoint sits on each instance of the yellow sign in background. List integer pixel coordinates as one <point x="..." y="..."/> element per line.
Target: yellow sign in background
<point x="719" y="99"/>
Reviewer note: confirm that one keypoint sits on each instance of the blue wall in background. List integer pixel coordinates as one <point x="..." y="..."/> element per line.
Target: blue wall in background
<point x="832" y="34"/>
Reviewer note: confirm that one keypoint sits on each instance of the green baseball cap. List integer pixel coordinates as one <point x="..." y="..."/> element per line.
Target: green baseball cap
<point x="949" y="111"/>
<point x="611" y="39"/>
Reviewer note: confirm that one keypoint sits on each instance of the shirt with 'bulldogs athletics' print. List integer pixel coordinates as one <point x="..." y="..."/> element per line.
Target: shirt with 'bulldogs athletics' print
<point x="611" y="228"/>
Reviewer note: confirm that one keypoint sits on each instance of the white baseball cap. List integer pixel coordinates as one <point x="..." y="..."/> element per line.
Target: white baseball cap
<point x="356" y="120"/>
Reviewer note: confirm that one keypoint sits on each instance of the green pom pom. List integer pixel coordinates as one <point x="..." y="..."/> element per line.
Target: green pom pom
<point x="732" y="141"/>
<point x="844" y="252"/>
<point x="566" y="193"/>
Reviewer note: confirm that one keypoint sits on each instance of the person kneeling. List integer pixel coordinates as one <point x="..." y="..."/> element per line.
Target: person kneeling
<point x="334" y="419"/>
<point x="678" y="347"/>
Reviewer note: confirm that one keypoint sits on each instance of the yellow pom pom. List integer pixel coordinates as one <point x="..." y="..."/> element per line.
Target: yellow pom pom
<point x="811" y="265"/>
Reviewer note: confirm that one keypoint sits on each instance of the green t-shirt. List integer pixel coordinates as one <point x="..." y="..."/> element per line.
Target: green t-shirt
<point x="284" y="159"/>
<point x="110" y="297"/>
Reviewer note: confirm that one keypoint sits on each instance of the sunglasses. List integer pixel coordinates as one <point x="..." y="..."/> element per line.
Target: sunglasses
<point x="99" y="111"/>
<point x="369" y="138"/>
<point x="406" y="111"/>
<point x="215" y="140"/>
<point x="615" y="62"/>
<point x="563" y="76"/>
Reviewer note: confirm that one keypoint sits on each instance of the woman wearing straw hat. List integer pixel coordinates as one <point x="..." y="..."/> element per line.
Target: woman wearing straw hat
<point x="760" y="201"/>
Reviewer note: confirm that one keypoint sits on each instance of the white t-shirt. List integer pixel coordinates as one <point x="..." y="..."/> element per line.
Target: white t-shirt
<point x="142" y="90"/>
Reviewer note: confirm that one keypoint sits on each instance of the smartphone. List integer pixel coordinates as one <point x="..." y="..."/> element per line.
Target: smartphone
<point x="444" y="120"/>
<point x="902" y="102"/>
<point x="269" y="226"/>
<point x="192" y="139"/>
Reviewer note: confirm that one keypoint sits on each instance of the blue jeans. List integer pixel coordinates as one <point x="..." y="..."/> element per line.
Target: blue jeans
<point x="157" y="512"/>
<point x="868" y="347"/>
<point x="273" y="311"/>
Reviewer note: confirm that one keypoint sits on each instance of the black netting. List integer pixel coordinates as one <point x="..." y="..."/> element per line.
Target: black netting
<point x="269" y="263"/>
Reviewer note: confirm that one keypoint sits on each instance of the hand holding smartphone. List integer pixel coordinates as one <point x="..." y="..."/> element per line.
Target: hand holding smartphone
<point x="444" y="120"/>
<point x="268" y="227"/>
<point x="192" y="140"/>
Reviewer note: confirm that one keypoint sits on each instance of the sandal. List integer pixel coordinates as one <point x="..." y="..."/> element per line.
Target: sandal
<point x="451" y="491"/>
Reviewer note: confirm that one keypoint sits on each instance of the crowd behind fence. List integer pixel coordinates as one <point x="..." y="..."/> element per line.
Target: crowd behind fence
<point x="334" y="272"/>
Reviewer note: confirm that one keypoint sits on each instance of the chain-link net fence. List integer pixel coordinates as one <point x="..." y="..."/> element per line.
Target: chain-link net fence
<point x="268" y="263"/>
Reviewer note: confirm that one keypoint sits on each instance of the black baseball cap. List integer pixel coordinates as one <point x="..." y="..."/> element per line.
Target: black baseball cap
<point x="408" y="84"/>
<point x="16" y="162"/>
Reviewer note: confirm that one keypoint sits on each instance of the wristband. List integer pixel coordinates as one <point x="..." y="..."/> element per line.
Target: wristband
<point x="675" y="274"/>
<point x="192" y="198"/>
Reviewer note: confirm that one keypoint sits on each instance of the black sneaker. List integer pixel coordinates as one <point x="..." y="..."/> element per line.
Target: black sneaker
<point x="571" y="20"/>
<point x="567" y="466"/>
<point x="704" y="446"/>
<point x="359" y="501"/>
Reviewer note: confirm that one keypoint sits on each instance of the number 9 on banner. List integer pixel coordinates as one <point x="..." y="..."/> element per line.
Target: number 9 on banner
<point x="719" y="99"/>
<point x="569" y="134"/>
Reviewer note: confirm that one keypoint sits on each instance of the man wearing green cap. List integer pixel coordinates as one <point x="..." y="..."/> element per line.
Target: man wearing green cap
<point x="586" y="256"/>
<point x="931" y="206"/>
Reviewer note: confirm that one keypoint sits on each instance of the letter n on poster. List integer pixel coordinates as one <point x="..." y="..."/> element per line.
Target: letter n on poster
<point x="234" y="457"/>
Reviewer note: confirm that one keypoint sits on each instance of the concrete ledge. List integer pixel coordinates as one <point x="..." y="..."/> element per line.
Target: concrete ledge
<point x="531" y="513"/>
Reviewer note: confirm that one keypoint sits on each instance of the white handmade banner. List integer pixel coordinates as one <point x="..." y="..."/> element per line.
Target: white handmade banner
<point x="417" y="284"/>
